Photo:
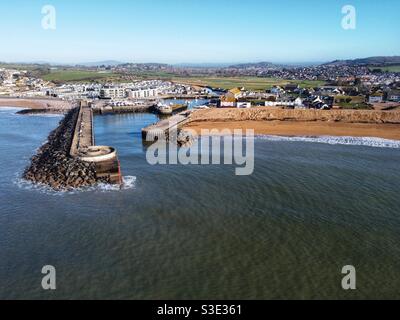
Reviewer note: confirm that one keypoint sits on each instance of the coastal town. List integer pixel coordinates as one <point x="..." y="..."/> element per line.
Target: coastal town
<point x="207" y="153"/>
<point x="302" y="101"/>
<point x="339" y="87"/>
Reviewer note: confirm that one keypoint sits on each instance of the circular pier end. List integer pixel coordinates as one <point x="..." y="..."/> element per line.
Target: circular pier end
<point x="98" y="154"/>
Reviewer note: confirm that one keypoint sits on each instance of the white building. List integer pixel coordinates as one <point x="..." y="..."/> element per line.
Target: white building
<point x="243" y="105"/>
<point x="277" y="90"/>
<point x="142" y="93"/>
<point x="112" y="92"/>
<point x="375" y="98"/>
<point x="298" y="102"/>
<point x="394" y="96"/>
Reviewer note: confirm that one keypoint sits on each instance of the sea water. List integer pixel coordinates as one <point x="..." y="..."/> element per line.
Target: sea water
<point x="312" y="206"/>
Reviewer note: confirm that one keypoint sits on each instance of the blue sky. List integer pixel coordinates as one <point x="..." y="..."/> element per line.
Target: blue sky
<point x="198" y="31"/>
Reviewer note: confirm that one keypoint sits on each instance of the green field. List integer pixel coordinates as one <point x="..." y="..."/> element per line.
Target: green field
<point x="355" y="106"/>
<point x="16" y="66"/>
<point x="75" y="75"/>
<point x="250" y="83"/>
<point x="352" y="102"/>
<point x="352" y="99"/>
<point x="388" y="68"/>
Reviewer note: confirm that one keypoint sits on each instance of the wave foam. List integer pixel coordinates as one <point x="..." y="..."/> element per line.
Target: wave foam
<point x="129" y="182"/>
<point x="333" y="140"/>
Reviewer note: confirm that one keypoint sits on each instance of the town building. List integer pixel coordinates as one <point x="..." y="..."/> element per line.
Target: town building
<point x="235" y="93"/>
<point x="142" y="93"/>
<point x="375" y="98"/>
<point x="243" y="105"/>
<point x="276" y="90"/>
<point x="229" y="100"/>
<point x="394" y="96"/>
<point x="112" y="92"/>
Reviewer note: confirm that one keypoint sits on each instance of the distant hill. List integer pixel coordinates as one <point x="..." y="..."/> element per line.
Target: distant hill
<point x="254" y="65"/>
<point x="372" y="61"/>
<point x="111" y="63"/>
<point x="149" y="64"/>
<point x="202" y="65"/>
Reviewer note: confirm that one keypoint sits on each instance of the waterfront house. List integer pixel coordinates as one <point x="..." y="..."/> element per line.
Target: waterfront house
<point x="376" y="98"/>
<point x="287" y="102"/>
<point x="277" y="90"/>
<point x="243" y="105"/>
<point x="330" y="90"/>
<point x="394" y="96"/>
<point x="298" y="102"/>
<point x="235" y="93"/>
<point x="229" y="100"/>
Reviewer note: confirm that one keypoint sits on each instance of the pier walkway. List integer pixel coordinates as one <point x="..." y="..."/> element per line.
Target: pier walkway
<point x="84" y="134"/>
<point x="83" y="147"/>
<point x="160" y="129"/>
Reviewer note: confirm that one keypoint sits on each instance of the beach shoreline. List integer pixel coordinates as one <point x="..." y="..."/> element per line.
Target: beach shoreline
<point x="299" y="129"/>
<point x="37" y="105"/>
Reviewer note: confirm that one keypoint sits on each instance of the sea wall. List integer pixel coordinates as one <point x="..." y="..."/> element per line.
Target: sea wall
<point x="53" y="166"/>
<point x="122" y="109"/>
<point x="273" y="114"/>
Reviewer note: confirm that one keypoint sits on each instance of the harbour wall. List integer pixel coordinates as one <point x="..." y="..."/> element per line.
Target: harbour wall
<point x="70" y="159"/>
<point x="54" y="167"/>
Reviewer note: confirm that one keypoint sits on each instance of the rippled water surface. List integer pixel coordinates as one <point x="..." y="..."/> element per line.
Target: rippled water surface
<point x="200" y="232"/>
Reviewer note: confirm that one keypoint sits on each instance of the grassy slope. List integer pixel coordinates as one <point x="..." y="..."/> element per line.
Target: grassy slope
<point x="388" y="68"/>
<point x="74" y="75"/>
<point x="251" y="83"/>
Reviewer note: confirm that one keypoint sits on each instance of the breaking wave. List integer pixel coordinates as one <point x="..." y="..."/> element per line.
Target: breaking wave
<point x="352" y="141"/>
<point x="129" y="182"/>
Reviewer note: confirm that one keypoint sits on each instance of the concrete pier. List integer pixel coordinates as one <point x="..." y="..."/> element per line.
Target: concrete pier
<point x="83" y="146"/>
<point x="83" y="135"/>
<point x="160" y="129"/>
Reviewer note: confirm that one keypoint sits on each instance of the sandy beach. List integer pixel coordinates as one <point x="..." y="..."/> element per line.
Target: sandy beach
<point x="36" y="104"/>
<point x="281" y="128"/>
<point x="265" y="121"/>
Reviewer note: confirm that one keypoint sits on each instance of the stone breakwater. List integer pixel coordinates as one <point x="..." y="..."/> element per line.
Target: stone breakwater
<point x="54" y="167"/>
